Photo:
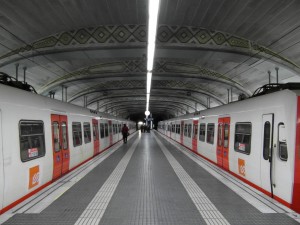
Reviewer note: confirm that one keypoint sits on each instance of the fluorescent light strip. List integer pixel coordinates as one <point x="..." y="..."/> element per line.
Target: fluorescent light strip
<point x="149" y="77"/>
<point x="150" y="56"/>
<point x="152" y="28"/>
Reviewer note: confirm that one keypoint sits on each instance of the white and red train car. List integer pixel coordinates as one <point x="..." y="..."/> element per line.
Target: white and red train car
<point x="257" y="140"/>
<point x="41" y="139"/>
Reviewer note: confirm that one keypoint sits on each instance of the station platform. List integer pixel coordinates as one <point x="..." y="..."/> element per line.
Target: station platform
<point x="150" y="180"/>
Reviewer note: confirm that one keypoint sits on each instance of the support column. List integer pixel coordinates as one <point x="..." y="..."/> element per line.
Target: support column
<point x="85" y="101"/>
<point x="227" y="96"/>
<point x="17" y="71"/>
<point x="208" y="102"/>
<point x="62" y="92"/>
<point x="66" y="94"/>
<point x="24" y="74"/>
<point x="276" y="68"/>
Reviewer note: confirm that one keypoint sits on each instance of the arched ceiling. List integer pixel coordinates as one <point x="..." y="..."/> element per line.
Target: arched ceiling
<point x="207" y="51"/>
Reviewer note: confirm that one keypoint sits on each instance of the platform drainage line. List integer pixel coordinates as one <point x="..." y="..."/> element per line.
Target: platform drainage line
<point x="95" y="210"/>
<point x="206" y="208"/>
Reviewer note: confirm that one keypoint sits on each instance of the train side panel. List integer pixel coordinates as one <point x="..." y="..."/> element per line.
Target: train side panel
<point x="246" y="164"/>
<point x="255" y="167"/>
<point x="23" y="177"/>
<point x="104" y="136"/>
<point x="29" y="142"/>
<point x="177" y="131"/>
<point x="296" y="188"/>
<point x="284" y="137"/>
<point x="1" y="164"/>
<point x="187" y="133"/>
<point x="80" y="152"/>
<point x="207" y="145"/>
<point x="271" y="122"/>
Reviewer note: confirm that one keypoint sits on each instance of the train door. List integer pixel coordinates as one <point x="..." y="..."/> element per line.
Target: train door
<point x="96" y="136"/>
<point x="61" y="153"/>
<point x="223" y="142"/>
<point x="1" y="166"/>
<point x="266" y="155"/>
<point x="195" y="135"/>
<point x="110" y="133"/>
<point x="181" y="132"/>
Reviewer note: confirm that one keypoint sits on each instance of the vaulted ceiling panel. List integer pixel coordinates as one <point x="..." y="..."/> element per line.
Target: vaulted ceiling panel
<point x="207" y="51"/>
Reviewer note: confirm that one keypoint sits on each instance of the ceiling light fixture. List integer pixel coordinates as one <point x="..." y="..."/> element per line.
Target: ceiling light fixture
<point x="152" y="27"/>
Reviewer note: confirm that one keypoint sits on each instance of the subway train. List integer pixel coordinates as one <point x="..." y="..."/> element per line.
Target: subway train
<point x="256" y="140"/>
<point x="42" y="139"/>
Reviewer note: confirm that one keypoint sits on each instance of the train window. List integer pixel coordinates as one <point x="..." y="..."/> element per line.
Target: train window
<point x="189" y="130"/>
<point x="64" y="135"/>
<point x="266" y="144"/>
<point x="77" y="134"/>
<point x="87" y="132"/>
<point x="226" y="135"/>
<point x="110" y="128"/>
<point x="202" y="132"/>
<point x="95" y="131"/>
<point x="56" y="136"/>
<point x="178" y="128"/>
<point x="116" y="128"/>
<point x="185" y="130"/>
<point x="220" y="133"/>
<point x="210" y="133"/>
<point x="32" y="139"/>
<point x="242" y="138"/>
<point x="195" y="131"/>
<point x="106" y="129"/>
<point x="283" y="152"/>
<point x="102" y="130"/>
<point x="119" y="125"/>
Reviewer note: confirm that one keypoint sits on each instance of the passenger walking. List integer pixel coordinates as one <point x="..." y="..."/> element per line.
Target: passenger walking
<point x="125" y="133"/>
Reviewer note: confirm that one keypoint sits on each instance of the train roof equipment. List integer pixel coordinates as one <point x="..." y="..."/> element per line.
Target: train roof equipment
<point x="273" y="87"/>
<point x="13" y="82"/>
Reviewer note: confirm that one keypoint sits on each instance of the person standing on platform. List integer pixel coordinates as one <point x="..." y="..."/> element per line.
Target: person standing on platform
<point x="125" y="133"/>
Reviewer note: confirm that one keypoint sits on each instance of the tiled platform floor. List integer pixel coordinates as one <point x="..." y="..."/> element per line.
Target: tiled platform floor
<point x="149" y="181"/>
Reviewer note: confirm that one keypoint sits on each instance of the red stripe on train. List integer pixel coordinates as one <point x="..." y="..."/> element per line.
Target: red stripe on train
<point x="296" y="189"/>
